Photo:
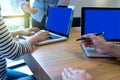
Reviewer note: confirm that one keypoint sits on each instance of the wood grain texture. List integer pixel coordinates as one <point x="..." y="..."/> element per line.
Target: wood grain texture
<point x="48" y="61"/>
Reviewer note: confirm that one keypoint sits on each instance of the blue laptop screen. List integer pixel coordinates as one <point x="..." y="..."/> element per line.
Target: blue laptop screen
<point x="105" y="20"/>
<point x="59" y="20"/>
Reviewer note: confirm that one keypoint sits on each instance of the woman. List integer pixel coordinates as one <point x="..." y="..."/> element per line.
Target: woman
<point x="11" y="49"/>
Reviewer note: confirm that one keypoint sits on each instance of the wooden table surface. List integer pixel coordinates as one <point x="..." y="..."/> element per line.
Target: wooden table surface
<point x="48" y="61"/>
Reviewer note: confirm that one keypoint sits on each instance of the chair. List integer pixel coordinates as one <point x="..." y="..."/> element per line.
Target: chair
<point x="76" y="22"/>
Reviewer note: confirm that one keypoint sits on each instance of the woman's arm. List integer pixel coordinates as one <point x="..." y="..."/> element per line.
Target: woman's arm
<point x="25" y="32"/>
<point x="13" y="49"/>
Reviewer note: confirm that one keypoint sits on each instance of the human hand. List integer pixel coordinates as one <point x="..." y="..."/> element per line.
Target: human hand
<point x="30" y="31"/>
<point x="97" y="42"/>
<point x="33" y="10"/>
<point x="75" y="74"/>
<point x="27" y="8"/>
<point x="39" y="36"/>
<point x="42" y="35"/>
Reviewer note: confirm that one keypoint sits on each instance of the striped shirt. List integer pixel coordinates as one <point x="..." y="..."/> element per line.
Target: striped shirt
<point x="9" y="48"/>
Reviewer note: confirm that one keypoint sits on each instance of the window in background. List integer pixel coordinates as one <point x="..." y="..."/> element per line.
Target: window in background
<point x="14" y="17"/>
<point x="14" y="23"/>
<point x="11" y="7"/>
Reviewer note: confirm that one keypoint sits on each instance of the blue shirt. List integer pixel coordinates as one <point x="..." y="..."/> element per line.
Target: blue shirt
<point x="40" y="5"/>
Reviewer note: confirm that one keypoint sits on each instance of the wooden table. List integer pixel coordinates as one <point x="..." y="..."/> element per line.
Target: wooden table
<point x="48" y="61"/>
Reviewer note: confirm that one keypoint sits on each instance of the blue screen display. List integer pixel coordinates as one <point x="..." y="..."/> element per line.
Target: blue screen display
<point x="103" y="20"/>
<point x="59" y="20"/>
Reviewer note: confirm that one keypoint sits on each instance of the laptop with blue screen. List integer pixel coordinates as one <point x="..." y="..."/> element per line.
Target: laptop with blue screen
<point x="58" y="23"/>
<point x="101" y="19"/>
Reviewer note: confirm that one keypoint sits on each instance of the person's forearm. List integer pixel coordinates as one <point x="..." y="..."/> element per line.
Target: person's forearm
<point x="32" y="40"/>
<point x="15" y="33"/>
<point x="21" y="3"/>
<point x="113" y="50"/>
<point x="25" y="8"/>
<point x="8" y="46"/>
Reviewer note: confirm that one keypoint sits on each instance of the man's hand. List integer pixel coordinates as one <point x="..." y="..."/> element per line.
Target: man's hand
<point x="97" y="42"/>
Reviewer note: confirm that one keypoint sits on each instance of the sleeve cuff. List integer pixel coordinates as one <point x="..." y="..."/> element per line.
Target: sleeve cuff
<point x="27" y="46"/>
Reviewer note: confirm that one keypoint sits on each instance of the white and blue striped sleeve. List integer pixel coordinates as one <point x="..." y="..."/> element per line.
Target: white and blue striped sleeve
<point x="8" y="46"/>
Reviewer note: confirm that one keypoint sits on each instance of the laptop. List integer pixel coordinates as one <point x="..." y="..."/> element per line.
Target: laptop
<point x="59" y="22"/>
<point x="101" y="19"/>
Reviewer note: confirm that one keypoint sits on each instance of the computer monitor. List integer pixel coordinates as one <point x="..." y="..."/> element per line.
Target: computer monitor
<point x="101" y="19"/>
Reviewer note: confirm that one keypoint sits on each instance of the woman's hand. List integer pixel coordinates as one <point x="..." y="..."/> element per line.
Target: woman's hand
<point x="30" y="31"/>
<point x="39" y="36"/>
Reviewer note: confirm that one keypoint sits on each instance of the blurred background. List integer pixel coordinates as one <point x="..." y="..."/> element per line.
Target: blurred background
<point x="15" y="18"/>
